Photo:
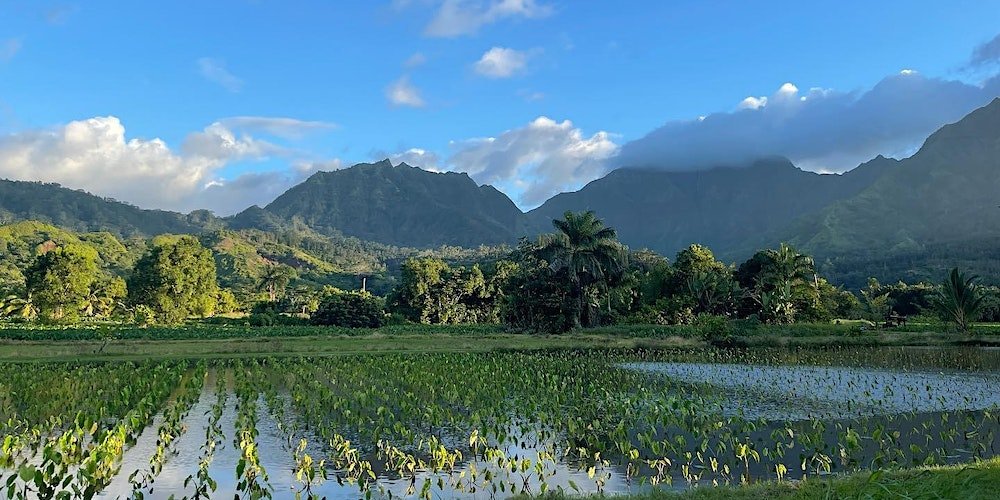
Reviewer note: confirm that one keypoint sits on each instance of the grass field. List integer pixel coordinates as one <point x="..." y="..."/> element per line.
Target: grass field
<point x="974" y="481"/>
<point x="200" y="340"/>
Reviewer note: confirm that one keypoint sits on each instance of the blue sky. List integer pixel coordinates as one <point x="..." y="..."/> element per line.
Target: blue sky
<point x="429" y="80"/>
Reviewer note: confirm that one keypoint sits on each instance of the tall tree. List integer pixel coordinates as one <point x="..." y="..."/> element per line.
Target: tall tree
<point x="586" y="251"/>
<point x="60" y="280"/>
<point x="431" y="291"/>
<point x="176" y="279"/>
<point x="789" y="266"/>
<point x="275" y="280"/>
<point x="960" y="300"/>
<point x="782" y="284"/>
<point x="107" y="297"/>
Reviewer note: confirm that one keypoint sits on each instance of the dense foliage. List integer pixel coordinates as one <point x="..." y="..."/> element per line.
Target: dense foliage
<point x="176" y="279"/>
<point x="579" y="275"/>
<point x="350" y="310"/>
<point x="431" y="291"/>
<point x="60" y="281"/>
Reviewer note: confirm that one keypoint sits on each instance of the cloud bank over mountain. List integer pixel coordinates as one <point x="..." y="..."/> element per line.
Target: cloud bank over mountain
<point x="818" y="129"/>
<point x="95" y="155"/>
<point x="826" y="130"/>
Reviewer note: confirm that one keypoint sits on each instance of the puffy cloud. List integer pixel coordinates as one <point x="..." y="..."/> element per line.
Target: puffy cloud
<point x="9" y="48"/>
<point x="539" y="159"/>
<point x="218" y="142"/>
<point x="465" y="17"/>
<point x="986" y="53"/>
<point x="752" y="102"/>
<point x="501" y="62"/>
<point x="819" y="129"/>
<point x="215" y="71"/>
<point x="95" y="155"/>
<point x="403" y="93"/>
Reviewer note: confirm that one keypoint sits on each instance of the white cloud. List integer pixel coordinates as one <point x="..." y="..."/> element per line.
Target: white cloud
<point x="95" y="155"/>
<point x="9" y="48"/>
<point x="415" y="60"/>
<point x="416" y="157"/>
<point x="219" y="142"/>
<point x="501" y="62"/>
<point x="820" y="129"/>
<point x="788" y="89"/>
<point x="542" y="158"/>
<point x="288" y="128"/>
<point x="215" y="71"/>
<point x="465" y="17"/>
<point x="752" y="102"/>
<point x="403" y="93"/>
<point x="529" y="163"/>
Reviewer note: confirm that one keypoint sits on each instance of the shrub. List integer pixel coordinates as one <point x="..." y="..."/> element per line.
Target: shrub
<point x="713" y="328"/>
<point x="351" y="310"/>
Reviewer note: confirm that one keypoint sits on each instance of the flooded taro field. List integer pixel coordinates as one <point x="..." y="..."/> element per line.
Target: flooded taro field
<point x="487" y="425"/>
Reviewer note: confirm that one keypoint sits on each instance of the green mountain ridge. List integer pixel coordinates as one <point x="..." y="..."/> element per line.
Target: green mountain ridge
<point x="364" y="220"/>
<point x="82" y="211"/>
<point x="722" y="208"/>
<point x="945" y="193"/>
<point x="400" y="205"/>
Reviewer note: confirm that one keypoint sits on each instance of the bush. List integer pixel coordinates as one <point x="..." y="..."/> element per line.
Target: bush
<point x="351" y="310"/>
<point x="713" y="328"/>
<point x="271" y="318"/>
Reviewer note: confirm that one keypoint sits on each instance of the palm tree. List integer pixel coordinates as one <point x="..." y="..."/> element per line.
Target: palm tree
<point x="959" y="299"/>
<point x="14" y="306"/>
<point x="586" y="250"/>
<point x="776" y="305"/>
<point x="274" y="280"/>
<point x="789" y="266"/>
<point x="713" y="291"/>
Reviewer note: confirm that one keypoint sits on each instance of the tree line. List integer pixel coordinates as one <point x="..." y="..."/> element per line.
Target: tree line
<point x="578" y="276"/>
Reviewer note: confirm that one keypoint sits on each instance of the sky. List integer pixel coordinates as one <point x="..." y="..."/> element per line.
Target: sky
<point x="224" y="104"/>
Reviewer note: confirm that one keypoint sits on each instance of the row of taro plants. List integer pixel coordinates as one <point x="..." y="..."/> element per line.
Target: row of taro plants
<point x="494" y="423"/>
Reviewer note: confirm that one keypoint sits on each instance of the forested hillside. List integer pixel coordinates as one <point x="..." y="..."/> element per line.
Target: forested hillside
<point x="402" y="205"/>
<point x="242" y="257"/>
<point x="81" y="211"/>
<point x="723" y="208"/>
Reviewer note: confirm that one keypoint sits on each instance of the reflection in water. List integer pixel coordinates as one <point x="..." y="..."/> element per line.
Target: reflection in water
<point x="827" y="392"/>
<point x="784" y="400"/>
<point x="277" y="458"/>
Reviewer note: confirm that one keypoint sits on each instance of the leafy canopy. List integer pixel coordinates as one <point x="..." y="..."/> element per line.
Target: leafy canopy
<point x="175" y="279"/>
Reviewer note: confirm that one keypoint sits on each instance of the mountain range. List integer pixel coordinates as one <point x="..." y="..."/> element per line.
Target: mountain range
<point x="944" y="196"/>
